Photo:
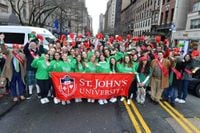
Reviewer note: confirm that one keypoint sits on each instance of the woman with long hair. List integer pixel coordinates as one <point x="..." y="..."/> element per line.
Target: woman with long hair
<point x="66" y="67"/>
<point x="184" y="83"/>
<point x="56" y="66"/>
<point x="127" y="67"/>
<point x="91" y="67"/>
<point x="113" y="69"/>
<point x="103" y="67"/>
<point x="42" y="76"/>
<point x="142" y="76"/>
<point x="79" y="67"/>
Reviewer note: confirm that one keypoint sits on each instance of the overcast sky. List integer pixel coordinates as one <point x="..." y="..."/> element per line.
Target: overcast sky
<point x="95" y="7"/>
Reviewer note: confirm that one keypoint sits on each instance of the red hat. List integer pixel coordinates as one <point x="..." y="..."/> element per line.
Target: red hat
<point x="16" y="46"/>
<point x="176" y="50"/>
<point x="143" y="58"/>
<point x="195" y="53"/>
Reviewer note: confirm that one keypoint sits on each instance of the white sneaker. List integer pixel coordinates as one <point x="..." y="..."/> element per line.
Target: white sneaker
<point x="92" y="100"/>
<point x="113" y="100"/>
<point x="68" y="102"/>
<point x="105" y="101"/>
<point x="89" y="100"/>
<point x="46" y="100"/>
<point x="56" y="101"/>
<point x="129" y="102"/>
<point x="182" y="101"/>
<point x="63" y="103"/>
<point x="42" y="101"/>
<point x="100" y="102"/>
<point x="76" y="100"/>
<point x="122" y="99"/>
<point x="177" y="100"/>
<point x="80" y="100"/>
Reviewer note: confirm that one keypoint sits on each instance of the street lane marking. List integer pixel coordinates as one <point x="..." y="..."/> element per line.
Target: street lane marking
<point x="183" y="118"/>
<point x="133" y="119"/>
<point x="140" y="118"/>
<point x="176" y="118"/>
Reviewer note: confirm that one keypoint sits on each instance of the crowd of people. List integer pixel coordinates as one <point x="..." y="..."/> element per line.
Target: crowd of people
<point x="154" y="64"/>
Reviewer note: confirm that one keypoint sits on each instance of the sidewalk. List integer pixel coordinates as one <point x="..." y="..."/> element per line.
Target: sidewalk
<point x="6" y="105"/>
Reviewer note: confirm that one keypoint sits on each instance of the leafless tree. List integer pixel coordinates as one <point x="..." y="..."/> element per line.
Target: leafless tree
<point x="39" y="11"/>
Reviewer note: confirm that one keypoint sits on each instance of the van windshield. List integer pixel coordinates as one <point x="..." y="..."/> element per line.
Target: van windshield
<point x="12" y="38"/>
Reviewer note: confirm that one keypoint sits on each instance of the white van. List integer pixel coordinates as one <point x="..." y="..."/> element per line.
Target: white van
<point x="19" y="34"/>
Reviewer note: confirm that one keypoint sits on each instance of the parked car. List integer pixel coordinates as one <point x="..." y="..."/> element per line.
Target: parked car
<point x="20" y="34"/>
<point x="194" y="82"/>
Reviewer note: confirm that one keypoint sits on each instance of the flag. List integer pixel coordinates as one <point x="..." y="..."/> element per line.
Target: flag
<point x="90" y="85"/>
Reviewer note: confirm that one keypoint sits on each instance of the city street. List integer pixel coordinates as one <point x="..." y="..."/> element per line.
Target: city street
<point x="31" y="117"/>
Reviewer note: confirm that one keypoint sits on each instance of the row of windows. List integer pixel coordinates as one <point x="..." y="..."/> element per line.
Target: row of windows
<point x="196" y="7"/>
<point x="165" y="17"/>
<point x="138" y="33"/>
<point x="143" y="15"/>
<point x="143" y="24"/>
<point x="147" y="4"/>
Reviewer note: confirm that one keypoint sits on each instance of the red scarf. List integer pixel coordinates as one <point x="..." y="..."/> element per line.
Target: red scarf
<point x="188" y="71"/>
<point x="178" y="74"/>
<point x="163" y="68"/>
<point x="18" y="57"/>
<point x="32" y="54"/>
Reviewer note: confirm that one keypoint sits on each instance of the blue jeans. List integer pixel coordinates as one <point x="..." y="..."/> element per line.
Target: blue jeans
<point x="16" y="78"/>
<point x="170" y="94"/>
<point x="183" y="89"/>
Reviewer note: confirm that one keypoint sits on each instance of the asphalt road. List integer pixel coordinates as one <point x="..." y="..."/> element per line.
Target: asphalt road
<point x="32" y="117"/>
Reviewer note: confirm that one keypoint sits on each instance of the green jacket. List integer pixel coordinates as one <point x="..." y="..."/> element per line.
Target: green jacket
<point x="42" y="72"/>
<point x="125" y="69"/>
<point x="56" y="66"/>
<point x="90" y="67"/>
<point x="79" y="67"/>
<point x="142" y="78"/>
<point x="103" y="67"/>
<point x="66" y="67"/>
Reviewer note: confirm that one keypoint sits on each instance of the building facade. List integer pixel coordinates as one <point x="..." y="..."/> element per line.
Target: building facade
<point x="173" y="17"/>
<point x="139" y="16"/>
<point x="110" y="17"/>
<point x="192" y="29"/>
<point x="101" y="23"/>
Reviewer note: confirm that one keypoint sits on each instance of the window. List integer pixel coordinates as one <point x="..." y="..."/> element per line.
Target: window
<point x="166" y="16"/>
<point x="196" y="7"/>
<point x="161" y="18"/>
<point x="163" y="2"/>
<point x="14" y="38"/>
<point x="172" y="14"/>
<point x="195" y="24"/>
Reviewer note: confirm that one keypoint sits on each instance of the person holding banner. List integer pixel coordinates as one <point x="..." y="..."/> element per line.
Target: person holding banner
<point x="14" y="70"/>
<point x="79" y="67"/>
<point x="160" y="76"/>
<point x="42" y="75"/>
<point x="91" y="67"/>
<point x="127" y="67"/>
<point x="113" y="69"/>
<point x="56" y="66"/>
<point x="103" y="67"/>
<point x="66" y="67"/>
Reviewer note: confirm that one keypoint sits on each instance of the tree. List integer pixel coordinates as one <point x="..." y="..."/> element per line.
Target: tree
<point x="39" y="11"/>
